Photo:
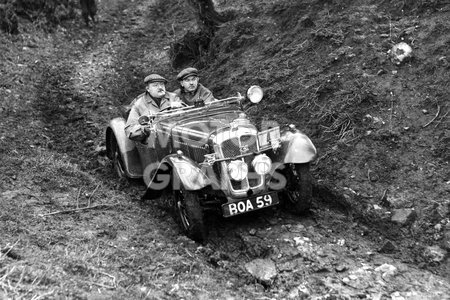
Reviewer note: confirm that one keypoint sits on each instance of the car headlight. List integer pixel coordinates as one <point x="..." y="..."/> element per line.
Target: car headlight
<point x="255" y="94"/>
<point x="238" y="170"/>
<point x="262" y="164"/>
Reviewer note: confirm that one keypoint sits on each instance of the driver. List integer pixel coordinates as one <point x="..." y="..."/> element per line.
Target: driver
<point x="191" y="91"/>
<point x="152" y="101"/>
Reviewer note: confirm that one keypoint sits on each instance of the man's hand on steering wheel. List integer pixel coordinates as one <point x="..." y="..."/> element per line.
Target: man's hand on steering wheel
<point x="174" y="105"/>
<point x="179" y="104"/>
<point x="147" y="129"/>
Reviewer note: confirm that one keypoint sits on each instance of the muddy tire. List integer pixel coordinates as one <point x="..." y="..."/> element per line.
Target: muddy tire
<point x="189" y="214"/>
<point x="117" y="160"/>
<point x="299" y="191"/>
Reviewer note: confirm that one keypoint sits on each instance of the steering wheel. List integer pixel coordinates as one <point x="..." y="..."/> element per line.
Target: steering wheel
<point x="169" y="108"/>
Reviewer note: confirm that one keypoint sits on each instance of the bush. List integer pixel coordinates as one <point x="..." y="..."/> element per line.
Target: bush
<point x="49" y="12"/>
<point x="54" y="11"/>
<point x="8" y="19"/>
<point x="413" y="6"/>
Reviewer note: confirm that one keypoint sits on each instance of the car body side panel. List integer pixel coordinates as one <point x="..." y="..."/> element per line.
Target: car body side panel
<point x="127" y="148"/>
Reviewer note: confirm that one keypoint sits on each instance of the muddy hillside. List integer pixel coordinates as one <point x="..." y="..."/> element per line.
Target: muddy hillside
<point x="367" y="81"/>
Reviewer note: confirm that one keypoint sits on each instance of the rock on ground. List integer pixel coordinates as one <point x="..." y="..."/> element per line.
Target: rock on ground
<point x="263" y="270"/>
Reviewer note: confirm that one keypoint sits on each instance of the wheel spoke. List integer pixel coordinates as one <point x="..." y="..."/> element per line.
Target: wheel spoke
<point x="190" y="214"/>
<point x="183" y="216"/>
<point x="118" y="163"/>
<point x="299" y="192"/>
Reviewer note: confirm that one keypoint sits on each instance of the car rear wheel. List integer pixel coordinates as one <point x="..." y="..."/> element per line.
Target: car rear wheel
<point x="117" y="159"/>
<point x="299" y="191"/>
<point x="190" y="215"/>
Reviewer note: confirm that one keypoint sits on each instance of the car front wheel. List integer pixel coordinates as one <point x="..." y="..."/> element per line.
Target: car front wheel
<point x="190" y="215"/>
<point x="299" y="190"/>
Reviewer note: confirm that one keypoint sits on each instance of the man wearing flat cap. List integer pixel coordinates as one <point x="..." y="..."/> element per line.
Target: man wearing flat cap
<point x="191" y="91"/>
<point x="152" y="101"/>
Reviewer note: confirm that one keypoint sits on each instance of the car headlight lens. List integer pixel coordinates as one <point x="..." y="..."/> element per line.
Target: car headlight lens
<point x="238" y="170"/>
<point x="262" y="164"/>
<point x="255" y="94"/>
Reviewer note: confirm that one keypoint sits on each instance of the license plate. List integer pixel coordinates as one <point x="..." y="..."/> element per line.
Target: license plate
<point x="250" y="204"/>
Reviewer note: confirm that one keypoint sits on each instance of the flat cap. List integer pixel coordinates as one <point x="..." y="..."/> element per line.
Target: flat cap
<point x="154" y="78"/>
<point x="187" y="72"/>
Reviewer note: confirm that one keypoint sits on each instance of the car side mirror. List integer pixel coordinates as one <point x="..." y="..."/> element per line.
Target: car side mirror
<point x="144" y="120"/>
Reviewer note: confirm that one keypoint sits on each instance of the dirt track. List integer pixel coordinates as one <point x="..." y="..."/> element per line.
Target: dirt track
<point x="64" y="88"/>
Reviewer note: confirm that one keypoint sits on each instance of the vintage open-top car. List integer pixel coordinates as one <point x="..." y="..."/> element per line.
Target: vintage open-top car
<point x="212" y="157"/>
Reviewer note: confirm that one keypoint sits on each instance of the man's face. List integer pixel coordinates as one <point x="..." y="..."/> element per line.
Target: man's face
<point x="156" y="89"/>
<point x="190" y="83"/>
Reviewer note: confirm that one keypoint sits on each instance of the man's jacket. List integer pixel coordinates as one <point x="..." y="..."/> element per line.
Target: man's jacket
<point x="144" y="104"/>
<point x="201" y="94"/>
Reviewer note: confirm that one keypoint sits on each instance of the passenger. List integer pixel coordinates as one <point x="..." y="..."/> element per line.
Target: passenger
<point x="88" y="9"/>
<point x="191" y="91"/>
<point x="152" y="101"/>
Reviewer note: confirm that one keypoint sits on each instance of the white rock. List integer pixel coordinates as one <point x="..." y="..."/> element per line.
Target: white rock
<point x="299" y="240"/>
<point x="403" y="216"/>
<point x="400" y="52"/>
<point x="303" y="289"/>
<point x="262" y="269"/>
<point x="293" y="294"/>
<point x="387" y="270"/>
<point x="353" y="276"/>
<point x="435" y="254"/>
<point x="397" y="296"/>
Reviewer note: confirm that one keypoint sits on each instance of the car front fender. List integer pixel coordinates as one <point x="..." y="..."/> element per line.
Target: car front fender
<point x="296" y="148"/>
<point x="116" y="133"/>
<point x="187" y="173"/>
<point x="175" y="172"/>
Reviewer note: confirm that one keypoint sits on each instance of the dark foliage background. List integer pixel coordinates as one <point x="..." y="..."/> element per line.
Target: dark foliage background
<point x="47" y="13"/>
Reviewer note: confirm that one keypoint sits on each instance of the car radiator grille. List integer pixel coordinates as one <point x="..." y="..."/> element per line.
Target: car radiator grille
<point x="230" y="148"/>
<point x="237" y="146"/>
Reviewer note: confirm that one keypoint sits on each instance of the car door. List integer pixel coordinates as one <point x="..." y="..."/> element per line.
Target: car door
<point x="148" y="155"/>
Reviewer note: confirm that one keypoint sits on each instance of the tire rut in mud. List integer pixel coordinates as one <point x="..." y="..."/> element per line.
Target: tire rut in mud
<point x="63" y="112"/>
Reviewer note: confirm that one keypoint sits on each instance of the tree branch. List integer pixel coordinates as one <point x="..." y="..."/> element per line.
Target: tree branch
<point x="78" y="209"/>
<point x="437" y="114"/>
